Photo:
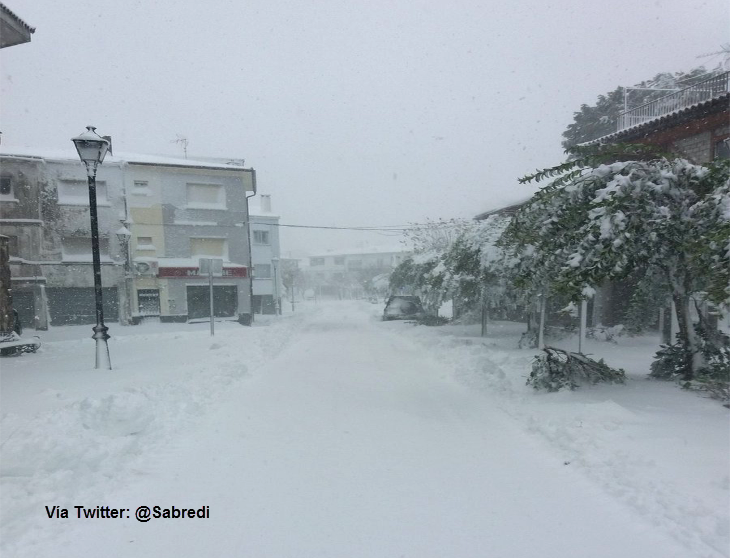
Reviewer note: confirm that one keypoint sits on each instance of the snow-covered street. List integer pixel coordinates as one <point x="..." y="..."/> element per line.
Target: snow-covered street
<point x="330" y="433"/>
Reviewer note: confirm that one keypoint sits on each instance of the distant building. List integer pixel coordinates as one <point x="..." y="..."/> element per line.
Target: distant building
<point x="181" y="210"/>
<point x="349" y="273"/>
<point x="157" y="217"/>
<point x="266" y="257"/>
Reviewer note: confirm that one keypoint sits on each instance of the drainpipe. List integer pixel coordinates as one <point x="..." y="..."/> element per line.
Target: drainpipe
<point x="250" y="254"/>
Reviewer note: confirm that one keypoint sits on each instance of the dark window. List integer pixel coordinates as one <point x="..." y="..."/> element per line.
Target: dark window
<point x="339" y="260"/>
<point x="13" y="246"/>
<point x="6" y="185"/>
<point x="316" y="261"/>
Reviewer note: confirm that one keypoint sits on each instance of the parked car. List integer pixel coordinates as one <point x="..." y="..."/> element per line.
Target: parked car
<point x="402" y="307"/>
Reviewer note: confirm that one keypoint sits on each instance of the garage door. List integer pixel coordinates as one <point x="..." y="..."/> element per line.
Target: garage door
<point x="225" y="302"/>
<point x="77" y="305"/>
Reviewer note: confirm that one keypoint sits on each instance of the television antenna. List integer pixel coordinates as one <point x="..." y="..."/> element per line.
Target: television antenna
<point x="182" y="140"/>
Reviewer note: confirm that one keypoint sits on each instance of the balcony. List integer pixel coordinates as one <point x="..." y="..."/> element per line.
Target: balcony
<point x="701" y="92"/>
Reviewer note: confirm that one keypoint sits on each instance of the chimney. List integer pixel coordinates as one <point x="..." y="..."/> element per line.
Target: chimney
<point x="265" y="203"/>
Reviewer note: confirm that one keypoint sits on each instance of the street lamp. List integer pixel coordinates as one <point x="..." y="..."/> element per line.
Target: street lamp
<point x="92" y="148"/>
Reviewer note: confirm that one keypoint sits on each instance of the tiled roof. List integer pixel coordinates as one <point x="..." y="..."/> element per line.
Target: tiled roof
<point x="19" y="21"/>
<point x="677" y="116"/>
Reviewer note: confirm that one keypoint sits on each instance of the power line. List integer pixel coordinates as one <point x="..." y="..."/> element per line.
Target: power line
<point x="399" y="229"/>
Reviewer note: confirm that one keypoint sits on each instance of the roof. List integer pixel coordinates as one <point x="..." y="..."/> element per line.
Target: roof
<point x="13" y="30"/>
<point x="118" y="158"/>
<point x="255" y="211"/>
<point x="674" y="118"/>
<point x="504" y="210"/>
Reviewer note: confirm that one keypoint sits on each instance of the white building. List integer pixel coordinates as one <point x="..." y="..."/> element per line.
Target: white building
<point x="266" y="256"/>
<point x="174" y="211"/>
<point x="350" y="273"/>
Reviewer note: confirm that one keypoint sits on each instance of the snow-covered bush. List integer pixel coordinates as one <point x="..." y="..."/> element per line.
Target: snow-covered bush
<point x="558" y="369"/>
<point x="713" y="377"/>
<point x="602" y="218"/>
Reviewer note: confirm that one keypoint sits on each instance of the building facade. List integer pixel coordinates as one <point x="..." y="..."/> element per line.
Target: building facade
<point x="157" y="217"/>
<point x="350" y="273"/>
<point x="266" y="256"/>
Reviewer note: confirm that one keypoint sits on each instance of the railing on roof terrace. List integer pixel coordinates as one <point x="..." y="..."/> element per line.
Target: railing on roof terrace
<point x="699" y="92"/>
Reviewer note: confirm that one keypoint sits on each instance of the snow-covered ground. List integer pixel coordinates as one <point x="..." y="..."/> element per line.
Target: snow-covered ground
<point x="330" y="433"/>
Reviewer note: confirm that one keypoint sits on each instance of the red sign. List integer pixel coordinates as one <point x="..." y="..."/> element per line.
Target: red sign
<point x="179" y="272"/>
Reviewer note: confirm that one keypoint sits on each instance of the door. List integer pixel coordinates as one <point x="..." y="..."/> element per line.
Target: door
<point x="148" y="301"/>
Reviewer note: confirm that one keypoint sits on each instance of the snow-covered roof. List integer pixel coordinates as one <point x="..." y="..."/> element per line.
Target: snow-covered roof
<point x="119" y="158"/>
<point x="507" y="209"/>
<point x="255" y="211"/>
<point x="670" y="118"/>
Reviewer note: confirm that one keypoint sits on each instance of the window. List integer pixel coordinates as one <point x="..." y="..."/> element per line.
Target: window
<point x="209" y="248"/>
<point x="148" y="301"/>
<point x="339" y="260"/>
<point x="13" y="246"/>
<point x="262" y="271"/>
<point x="316" y="261"/>
<point x="206" y="196"/>
<point x="722" y="149"/>
<point x="78" y="249"/>
<point x="6" y="187"/>
<point x="260" y="237"/>
<point x="354" y="264"/>
<point x="141" y="188"/>
<point x="145" y="243"/>
<point x="76" y="192"/>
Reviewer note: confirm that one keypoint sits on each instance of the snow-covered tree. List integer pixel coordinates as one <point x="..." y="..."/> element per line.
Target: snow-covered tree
<point x="598" y="222"/>
<point x="425" y="271"/>
<point x="453" y="260"/>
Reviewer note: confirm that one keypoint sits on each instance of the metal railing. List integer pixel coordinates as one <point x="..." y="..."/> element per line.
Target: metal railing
<point x="699" y="92"/>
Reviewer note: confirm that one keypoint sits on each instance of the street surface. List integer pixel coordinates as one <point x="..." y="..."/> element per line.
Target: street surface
<point x="352" y="443"/>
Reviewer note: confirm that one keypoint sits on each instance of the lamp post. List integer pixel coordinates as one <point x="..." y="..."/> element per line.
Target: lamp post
<point x="92" y="149"/>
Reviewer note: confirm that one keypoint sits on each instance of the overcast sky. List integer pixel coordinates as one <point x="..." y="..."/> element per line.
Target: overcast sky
<point x="353" y="113"/>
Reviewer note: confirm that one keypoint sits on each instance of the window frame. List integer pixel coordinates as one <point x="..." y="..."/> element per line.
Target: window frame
<point x="10" y="195"/>
<point x="220" y="205"/>
<point x="224" y="239"/>
<point x="264" y="234"/>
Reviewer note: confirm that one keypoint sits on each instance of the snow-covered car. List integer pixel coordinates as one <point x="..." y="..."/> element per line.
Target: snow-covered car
<point x="402" y="307"/>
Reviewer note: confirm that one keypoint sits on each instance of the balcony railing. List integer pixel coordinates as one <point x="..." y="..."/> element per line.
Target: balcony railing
<point x="699" y="92"/>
